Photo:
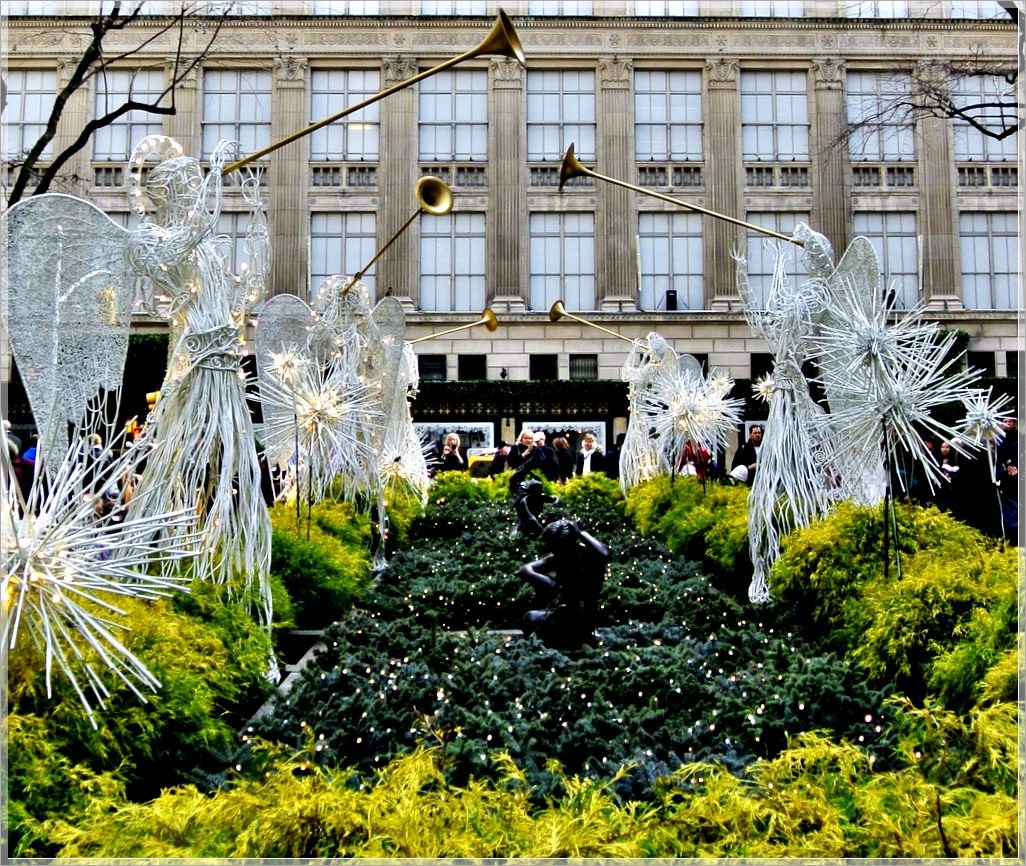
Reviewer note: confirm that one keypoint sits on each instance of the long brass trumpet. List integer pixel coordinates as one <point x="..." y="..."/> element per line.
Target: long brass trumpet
<point x="572" y="167"/>
<point x="488" y="319"/>
<point x="502" y="39"/>
<point x="557" y="311"/>
<point x="433" y="197"/>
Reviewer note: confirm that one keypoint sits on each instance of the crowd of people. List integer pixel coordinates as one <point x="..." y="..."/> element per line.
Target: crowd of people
<point x="967" y="489"/>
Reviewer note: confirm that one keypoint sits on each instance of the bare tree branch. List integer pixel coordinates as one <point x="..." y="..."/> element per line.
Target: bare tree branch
<point x="94" y="63"/>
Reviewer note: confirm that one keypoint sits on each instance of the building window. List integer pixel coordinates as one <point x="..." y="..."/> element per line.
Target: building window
<point x="990" y="263"/>
<point x="774" y="116"/>
<point x="978" y="9"/>
<point x="763" y="253"/>
<point x="771" y="9"/>
<point x="236" y="107"/>
<point x="454" y="116"/>
<point x="543" y="367"/>
<point x="453" y="7"/>
<point x="452" y="262"/>
<point x="114" y="143"/>
<point x="560" y="112"/>
<point x="341" y="243"/>
<point x="233" y="227"/>
<point x="760" y="364"/>
<point x="560" y="7"/>
<point x="875" y="8"/>
<point x="1013" y="364"/>
<point x="893" y="236"/>
<point x="432" y="368"/>
<point x="350" y="138"/>
<point x="998" y="111"/>
<point x="345" y="7"/>
<point x="880" y="129"/>
<point x="562" y="260"/>
<point x="471" y="367"/>
<point x="584" y="367"/>
<point x="666" y="8"/>
<point x="30" y="98"/>
<point x="982" y="361"/>
<point x="670" y="252"/>
<point x="667" y="115"/>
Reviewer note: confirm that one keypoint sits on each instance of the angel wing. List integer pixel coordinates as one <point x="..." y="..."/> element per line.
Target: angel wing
<point x="68" y="308"/>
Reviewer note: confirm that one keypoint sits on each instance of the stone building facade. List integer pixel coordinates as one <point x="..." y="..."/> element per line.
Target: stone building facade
<point x="738" y="107"/>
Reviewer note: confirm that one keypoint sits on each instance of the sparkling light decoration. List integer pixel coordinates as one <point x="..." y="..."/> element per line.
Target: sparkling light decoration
<point x="889" y="377"/>
<point x="64" y="563"/>
<point x="204" y="459"/>
<point x="682" y="405"/>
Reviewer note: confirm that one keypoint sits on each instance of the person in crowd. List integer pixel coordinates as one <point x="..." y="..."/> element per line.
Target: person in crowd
<point x="590" y="458"/>
<point x="568" y="582"/>
<point x="498" y="464"/>
<point x="545" y="455"/>
<point x="1009" y="455"/>
<point x="522" y="452"/>
<point x="451" y="458"/>
<point x="612" y="461"/>
<point x="564" y="459"/>
<point x="748" y="455"/>
<point x="695" y="460"/>
<point x="10" y="436"/>
<point x="948" y="491"/>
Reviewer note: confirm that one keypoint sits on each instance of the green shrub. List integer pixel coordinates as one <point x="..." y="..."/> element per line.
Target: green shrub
<point x="210" y="673"/>
<point x="324" y="566"/>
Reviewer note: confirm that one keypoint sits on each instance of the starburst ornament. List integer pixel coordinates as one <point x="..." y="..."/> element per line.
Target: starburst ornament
<point x="65" y="559"/>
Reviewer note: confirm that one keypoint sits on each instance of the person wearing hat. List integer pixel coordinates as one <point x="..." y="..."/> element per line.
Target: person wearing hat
<point x="747" y="456"/>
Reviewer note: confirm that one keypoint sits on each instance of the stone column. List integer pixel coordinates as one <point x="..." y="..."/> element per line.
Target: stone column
<point x="76" y="175"/>
<point x="831" y="180"/>
<point x="288" y="181"/>
<point x="938" y="213"/>
<point x="506" y="269"/>
<point x="616" y="228"/>
<point x="398" y="270"/>
<point x="185" y="124"/>
<point x="724" y="183"/>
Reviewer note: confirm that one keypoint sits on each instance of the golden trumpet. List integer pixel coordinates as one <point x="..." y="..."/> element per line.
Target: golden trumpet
<point x="557" y="311"/>
<point x="573" y="167"/>
<point x="488" y="319"/>
<point x="502" y="39"/>
<point x="433" y="197"/>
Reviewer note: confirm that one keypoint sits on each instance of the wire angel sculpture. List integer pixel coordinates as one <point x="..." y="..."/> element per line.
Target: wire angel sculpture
<point x="641" y="453"/>
<point x="204" y="457"/>
<point x="68" y="554"/>
<point x="795" y="478"/>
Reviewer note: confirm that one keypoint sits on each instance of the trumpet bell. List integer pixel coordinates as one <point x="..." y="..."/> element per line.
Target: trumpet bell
<point x="433" y="195"/>
<point x="557" y="310"/>
<point x="489" y="319"/>
<point x="502" y="39"/>
<point x="571" y="167"/>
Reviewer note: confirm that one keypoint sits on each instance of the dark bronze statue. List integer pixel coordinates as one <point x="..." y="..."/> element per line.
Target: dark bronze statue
<point x="568" y="581"/>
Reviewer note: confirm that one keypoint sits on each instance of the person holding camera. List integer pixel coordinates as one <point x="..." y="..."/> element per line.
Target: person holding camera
<point x="522" y="452"/>
<point x="451" y="458"/>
